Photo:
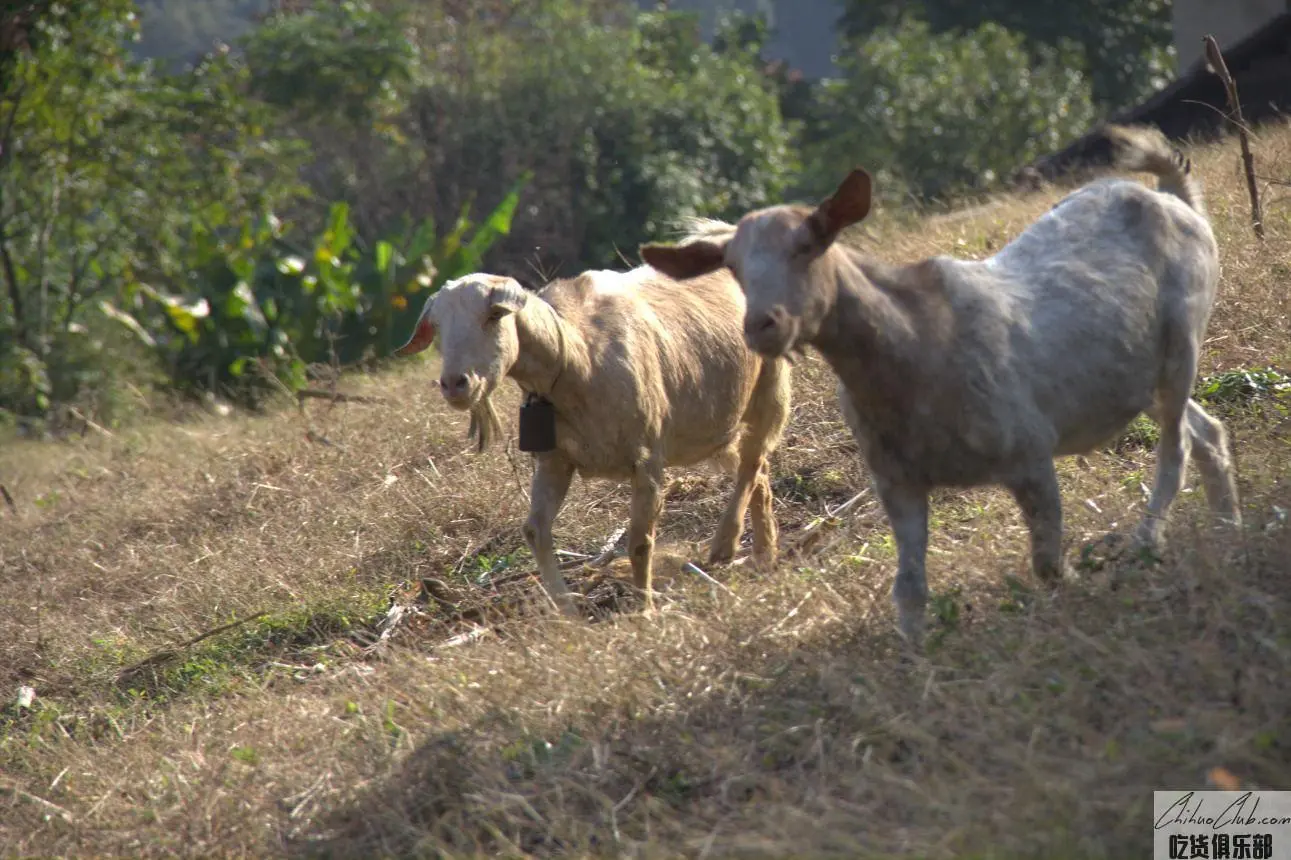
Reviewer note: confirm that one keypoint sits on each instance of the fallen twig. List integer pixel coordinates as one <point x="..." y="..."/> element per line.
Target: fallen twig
<point x="603" y="557"/>
<point x="690" y="567"/>
<point x="813" y="533"/>
<point x="48" y="806"/>
<point x="167" y="653"/>
<point x="390" y="623"/>
<point x="1217" y="65"/>
<point x="320" y="439"/>
<point x="93" y="425"/>
<point x="8" y="499"/>
<point x="472" y="635"/>
<point x="339" y="397"/>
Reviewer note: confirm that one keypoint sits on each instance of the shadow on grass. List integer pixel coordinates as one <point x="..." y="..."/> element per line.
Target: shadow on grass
<point x="1036" y="725"/>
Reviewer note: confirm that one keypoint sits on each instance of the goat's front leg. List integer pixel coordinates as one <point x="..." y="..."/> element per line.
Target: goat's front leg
<point x="1036" y="493"/>
<point x="727" y="539"/>
<point x="646" y="506"/>
<point x="551" y="479"/>
<point x="907" y="510"/>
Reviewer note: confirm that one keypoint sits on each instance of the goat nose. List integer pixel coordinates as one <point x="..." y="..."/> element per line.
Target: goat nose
<point x="453" y="384"/>
<point x="765" y="323"/>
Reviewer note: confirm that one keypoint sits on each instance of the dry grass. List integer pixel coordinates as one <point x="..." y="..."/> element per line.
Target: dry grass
<point x="771" y="720"/>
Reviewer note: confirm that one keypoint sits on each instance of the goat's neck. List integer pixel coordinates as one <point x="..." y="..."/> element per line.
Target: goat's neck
<point x="552" y="352"/>
<point x="867" y="331"/>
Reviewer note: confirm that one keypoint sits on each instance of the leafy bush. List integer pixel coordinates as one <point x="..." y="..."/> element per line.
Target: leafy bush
<point x="265" y="308"/>
<point x="133" y="221"/>
<point x="937" y="112"/>
<point x="625" y="121"/>
<point x="1125" y="46"/>
<point x="106" y="168"/>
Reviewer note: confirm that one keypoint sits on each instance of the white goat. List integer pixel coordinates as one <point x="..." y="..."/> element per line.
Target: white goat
<point x="643" y="373"/>
<point x="958" y="373"/>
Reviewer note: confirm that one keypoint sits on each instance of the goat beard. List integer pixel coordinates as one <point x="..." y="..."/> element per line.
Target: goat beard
<point x="485" y="426"/>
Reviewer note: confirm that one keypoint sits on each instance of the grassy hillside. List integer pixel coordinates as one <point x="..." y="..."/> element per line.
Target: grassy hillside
<point x="775" y="718"/>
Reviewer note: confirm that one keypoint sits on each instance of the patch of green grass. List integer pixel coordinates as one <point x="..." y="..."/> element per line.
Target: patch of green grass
<point x="138" y="680"/>
<point x="1141" y="434"/>
<point x="1238" y="388"/>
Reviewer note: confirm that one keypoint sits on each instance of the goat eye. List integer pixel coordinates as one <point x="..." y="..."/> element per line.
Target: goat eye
<point x="495" y="315"/>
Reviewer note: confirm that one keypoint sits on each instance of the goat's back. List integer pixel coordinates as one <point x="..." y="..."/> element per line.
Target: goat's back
<point x="672" y="352"/>
<point x="1093" y="302"/>
<point x="1053" y="344"/>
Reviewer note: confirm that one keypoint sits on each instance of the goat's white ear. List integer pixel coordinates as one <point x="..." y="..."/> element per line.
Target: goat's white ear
<point x="423" y="334"/>
<point x="690" y="260"/>
<point x="848" y="205"/>
<point x="508" y="297"/>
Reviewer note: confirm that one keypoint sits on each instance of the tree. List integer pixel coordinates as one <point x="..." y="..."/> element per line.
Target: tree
<point x="1126" y="45"/>
<point x="935" y="113"/>
<point x="105" y="169"/>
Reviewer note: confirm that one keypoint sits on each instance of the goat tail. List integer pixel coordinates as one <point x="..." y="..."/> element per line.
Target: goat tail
<point x="1146" y="149"/>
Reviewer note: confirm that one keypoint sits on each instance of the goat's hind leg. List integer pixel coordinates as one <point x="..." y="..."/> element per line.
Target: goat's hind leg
<point x="726" y="541"/>
<point x="766" y="534"/>
<point x="1171" y="469"/>
<point x="1215" y="462"/>
<point x="764" y="423"/>
<point x="647" y="503"/>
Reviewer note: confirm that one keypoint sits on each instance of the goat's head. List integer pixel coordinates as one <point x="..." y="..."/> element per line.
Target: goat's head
<point x="473" y="316"/>
<point x="774" y="253"/>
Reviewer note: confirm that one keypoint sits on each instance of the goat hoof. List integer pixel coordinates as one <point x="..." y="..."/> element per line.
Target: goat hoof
<point x="720" y="555"/>
<point x="911" y="629"/>
<point x="567" y="607"/>
<point x="1057" y="574"/>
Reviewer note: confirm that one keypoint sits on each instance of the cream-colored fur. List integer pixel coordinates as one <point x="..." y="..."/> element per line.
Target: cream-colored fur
<point x="645" y="373"/>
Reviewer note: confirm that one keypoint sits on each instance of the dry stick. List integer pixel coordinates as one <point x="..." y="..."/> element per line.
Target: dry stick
<point x="167" y="653"/>
<point x="339" y="396"/>
<point x="8" y="499"/>
<point x="1220" y="68"/>
<point x="602" y="558"/>
<point x="38" y="801"/>
<point x="97" y="428"/>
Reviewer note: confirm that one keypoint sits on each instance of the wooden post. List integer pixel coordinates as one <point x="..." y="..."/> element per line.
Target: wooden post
<point x="1220" y="68"/>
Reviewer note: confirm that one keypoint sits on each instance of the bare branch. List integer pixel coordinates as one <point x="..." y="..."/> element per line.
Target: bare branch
<point x="1217" y="65"/>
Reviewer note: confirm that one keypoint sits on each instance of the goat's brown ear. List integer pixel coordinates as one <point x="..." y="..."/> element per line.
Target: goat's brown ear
<point x="848" y="205"/>
<point x="422" y="335"/>
<point x="681" y="262"/>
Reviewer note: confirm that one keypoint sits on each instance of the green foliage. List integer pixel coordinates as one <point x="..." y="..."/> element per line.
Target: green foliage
<point x="939" y="112"/>
<point x="345" y="60"/>
<point x="136" y="219"/>
<point x="1124" y="46"/>
<point x="264" y="308"/>
<point x="627" y="122"/>
<point x="1240" y="387"/>
<point x="104" y="167"/>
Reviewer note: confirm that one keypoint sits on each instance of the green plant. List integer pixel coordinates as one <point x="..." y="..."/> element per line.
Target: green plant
<point x="266" y="307"/>
<point x="1124" y="46"/>
<point x="1239" y="387"/>
<point x="111" y="167"/>
<point x="937" y="112"/>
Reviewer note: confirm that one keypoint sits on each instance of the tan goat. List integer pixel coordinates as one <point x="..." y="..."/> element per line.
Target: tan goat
<point x="963" y="373"/>
<point x="643" y="372"/>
